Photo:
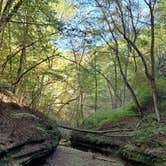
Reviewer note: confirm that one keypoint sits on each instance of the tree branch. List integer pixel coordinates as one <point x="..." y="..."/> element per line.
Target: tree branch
<point x="32" y="67"/>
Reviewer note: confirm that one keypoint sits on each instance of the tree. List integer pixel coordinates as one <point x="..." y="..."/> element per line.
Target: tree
<point x="27" y="29"/>
<point x="7" y="10"/>
<point x="124" y="22"/>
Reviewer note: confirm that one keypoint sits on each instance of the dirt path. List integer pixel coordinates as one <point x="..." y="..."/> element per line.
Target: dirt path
<point x="66" y="156"/>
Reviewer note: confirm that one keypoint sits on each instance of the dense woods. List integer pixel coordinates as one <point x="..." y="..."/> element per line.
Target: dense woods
<point x="108" y="56"/>
<point x="85" y="63"/>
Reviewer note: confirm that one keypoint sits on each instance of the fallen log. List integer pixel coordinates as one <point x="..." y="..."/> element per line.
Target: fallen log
<point x="94" y="131"/>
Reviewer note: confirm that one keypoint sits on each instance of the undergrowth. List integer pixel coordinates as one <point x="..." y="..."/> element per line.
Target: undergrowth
<point x="147" y="130"/>
<point x="101" y="118"/>
<point x="98" y="119"/>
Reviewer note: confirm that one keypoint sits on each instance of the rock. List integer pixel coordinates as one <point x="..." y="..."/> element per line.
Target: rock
<point x="24" y="135"/>
<point x="142" y="156"/>
<point x="145" y="145"/>
<point x="108" y="143"/>
<point x="67" y="156"/>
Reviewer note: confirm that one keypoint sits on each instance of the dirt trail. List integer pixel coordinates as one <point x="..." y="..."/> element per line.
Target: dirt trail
<point x="66" y="156"/>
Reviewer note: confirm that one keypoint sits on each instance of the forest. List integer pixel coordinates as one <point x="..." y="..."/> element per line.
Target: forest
<point x="84" y="77"/>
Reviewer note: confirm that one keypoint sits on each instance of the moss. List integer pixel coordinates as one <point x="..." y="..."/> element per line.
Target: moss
<point x="99" y="119"/>
<point x="142" y="157"/>
<point x="23" y="115"/>
<point x="98" y="140"/>
<point x="49" y="127"/>
<point x="41" y="129"/>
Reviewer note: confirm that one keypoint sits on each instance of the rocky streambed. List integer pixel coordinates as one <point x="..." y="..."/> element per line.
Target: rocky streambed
<point x="67" y="156"/>
<point x="30" y="138"/>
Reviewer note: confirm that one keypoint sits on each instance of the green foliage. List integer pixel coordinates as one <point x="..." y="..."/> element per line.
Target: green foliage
<point x="99" y="119"/>
<point x="52" y="121"/>
<point x="53" y="75"/>
<point x="145" y="93"/>
<point x="147" y="130"/>
<point x="162" y="89"/>
<point x="148" y="144"/>
<point x="90" y="72"/>
<point x="141" y="157"/>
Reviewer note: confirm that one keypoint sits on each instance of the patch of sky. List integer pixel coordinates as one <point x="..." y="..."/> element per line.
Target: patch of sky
<point x="87" y="28"/>
<point x="76" y="31"/>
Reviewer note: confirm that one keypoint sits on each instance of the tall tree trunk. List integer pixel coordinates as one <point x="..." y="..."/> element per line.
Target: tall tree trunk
<point x="1" y="4"/>
<point x="7" y="14"/>
<point x="153" y="76"/>
<point x="125" y="73"/>
<point x="127" y="84"/>
<point x="96" y="84"/>
<point x="115" y="104"/>
<point x="24" y="42"/>
<point x="80" y="99"/>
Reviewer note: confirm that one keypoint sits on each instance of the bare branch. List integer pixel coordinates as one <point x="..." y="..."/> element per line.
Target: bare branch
<point x="32" y="67"/>
<point x="10" y="56"/>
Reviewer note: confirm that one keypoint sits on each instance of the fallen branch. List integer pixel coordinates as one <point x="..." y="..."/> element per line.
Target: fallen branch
<point x="93" y="131"/>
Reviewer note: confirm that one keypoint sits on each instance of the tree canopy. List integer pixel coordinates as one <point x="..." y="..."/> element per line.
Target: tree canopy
<point x="72" y="58"/>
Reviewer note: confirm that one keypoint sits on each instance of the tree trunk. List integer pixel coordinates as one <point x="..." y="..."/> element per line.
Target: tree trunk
<point x="115" y="104"/>
<point x="127" y="84"/>
<point x="153" y="81"/>
<point x="7" y="14"/>
<point x="96" y="85"/>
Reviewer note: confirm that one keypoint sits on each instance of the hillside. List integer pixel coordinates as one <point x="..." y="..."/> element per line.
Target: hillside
<point x="138" y="140"/>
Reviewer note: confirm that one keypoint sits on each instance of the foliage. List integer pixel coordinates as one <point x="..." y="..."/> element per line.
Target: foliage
<point x="83" y="76"/>
<point x="138" y="156"/>
<point x="147" y="130"/>
<point x="145" y="94"/>
<point x="99" y="119"/>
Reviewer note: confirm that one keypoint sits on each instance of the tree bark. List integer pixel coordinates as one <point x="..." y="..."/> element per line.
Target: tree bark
<point x="6" y="15"/>
<point x="128" y="85"/>
<point x="152" y="81"/>
<point x="96" y="84"/>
